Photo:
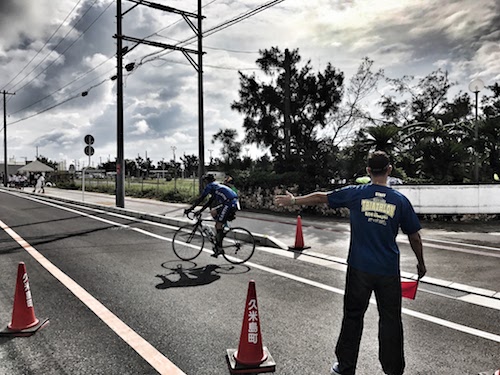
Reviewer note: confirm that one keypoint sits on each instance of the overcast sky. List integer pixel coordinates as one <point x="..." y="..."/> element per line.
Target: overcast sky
<point x="70" y="49"/>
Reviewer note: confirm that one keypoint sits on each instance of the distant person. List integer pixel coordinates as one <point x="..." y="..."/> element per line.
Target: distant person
<point x="226" y="201"/>
<point x="376" y="214"/>
<point x="40" y="184"/>
<point x="229" y="181"/>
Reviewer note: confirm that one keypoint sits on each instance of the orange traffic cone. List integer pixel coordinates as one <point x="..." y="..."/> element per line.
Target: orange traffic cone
<point x="24" y="321"/>
<point x="299" y="237"/>
<point x="251" y="356"/>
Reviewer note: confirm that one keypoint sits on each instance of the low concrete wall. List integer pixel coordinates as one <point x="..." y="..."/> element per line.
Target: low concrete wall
<point x="453" y="199"/>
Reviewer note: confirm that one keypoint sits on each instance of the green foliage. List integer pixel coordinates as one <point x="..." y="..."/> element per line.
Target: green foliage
<point x="312" y="98"/>
<point x="271" y="180"/>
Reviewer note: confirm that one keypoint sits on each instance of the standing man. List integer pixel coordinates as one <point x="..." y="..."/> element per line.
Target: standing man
<point x="376" y="214"/>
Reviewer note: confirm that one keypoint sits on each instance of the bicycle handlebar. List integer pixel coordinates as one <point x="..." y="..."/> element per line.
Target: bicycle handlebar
<point x="194" y="215"/>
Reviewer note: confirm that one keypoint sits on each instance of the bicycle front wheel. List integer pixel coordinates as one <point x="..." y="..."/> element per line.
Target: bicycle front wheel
<point x="238" y="245"/>
<point x="188" y="242"/>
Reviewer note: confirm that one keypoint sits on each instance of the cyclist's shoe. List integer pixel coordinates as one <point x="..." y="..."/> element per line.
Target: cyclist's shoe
<point x="217" y="251"/>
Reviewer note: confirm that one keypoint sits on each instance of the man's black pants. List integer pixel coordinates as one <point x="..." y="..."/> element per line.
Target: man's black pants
<point x="359" y="286"/>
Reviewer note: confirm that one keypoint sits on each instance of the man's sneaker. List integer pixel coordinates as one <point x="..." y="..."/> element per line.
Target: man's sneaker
<point x="335" y="370"/>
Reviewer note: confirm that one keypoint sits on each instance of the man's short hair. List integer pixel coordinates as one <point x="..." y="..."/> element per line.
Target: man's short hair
<point x="378" y="162"/>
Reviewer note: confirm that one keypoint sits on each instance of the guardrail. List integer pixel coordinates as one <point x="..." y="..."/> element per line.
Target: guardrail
<point x="453" y="199"/>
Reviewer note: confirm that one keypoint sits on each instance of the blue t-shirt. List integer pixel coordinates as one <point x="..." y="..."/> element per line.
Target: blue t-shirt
<point x="221" y="193"/>
<point x="376" y="214"/>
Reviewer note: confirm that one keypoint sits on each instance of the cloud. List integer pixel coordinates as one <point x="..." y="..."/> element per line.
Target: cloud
<point x="161" y="93"/>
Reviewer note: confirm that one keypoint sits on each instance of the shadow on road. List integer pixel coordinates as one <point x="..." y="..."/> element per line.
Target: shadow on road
<point x="188" y="274"/>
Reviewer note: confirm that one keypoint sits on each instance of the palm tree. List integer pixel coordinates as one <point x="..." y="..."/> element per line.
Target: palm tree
<point x="440" y="152"/>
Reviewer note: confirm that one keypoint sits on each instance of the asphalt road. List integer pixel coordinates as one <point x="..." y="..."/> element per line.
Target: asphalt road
<point x="120" y="302"/>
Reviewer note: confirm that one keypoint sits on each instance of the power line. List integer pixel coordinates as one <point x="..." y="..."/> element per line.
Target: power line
<point x="40" y="50"/>
<point x="210" y="31"/>
<point x="222" y="26"/>
<point x="62" y="54"/>
<point x="241" y="17"/>
<point x="213" y="48"/>
<point x="81" y="76"/>
<point x="84" y="93"/>
<point x="69" y="83"/>
<point x="207" y="65"/>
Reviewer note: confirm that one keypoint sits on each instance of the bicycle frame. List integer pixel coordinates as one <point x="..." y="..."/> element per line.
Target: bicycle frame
<point x="208" y="231"/>
<point x="237" y="246"/>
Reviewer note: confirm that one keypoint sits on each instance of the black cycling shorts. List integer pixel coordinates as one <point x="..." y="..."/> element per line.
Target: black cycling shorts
<point x="225" y="213"/>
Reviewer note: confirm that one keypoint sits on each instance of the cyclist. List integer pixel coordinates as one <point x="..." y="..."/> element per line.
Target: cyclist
<point x="225" y="209"/>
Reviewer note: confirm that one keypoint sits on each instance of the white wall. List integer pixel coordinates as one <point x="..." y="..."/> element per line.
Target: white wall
<point x="453" y="199"/>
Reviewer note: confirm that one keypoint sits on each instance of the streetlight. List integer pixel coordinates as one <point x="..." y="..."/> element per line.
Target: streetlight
<point x="475" y="86"/>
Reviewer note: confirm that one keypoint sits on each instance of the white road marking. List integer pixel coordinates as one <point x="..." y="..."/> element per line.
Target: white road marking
<point x="150" y="354"/>
<point x="416" y="314"/>
<point x="422" y="316"/>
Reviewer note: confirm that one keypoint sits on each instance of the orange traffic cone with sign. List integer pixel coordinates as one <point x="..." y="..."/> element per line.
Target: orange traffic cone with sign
<point x="24" y="321"/>
<point x="299" y="237"/>
<point x="251" y="356"/>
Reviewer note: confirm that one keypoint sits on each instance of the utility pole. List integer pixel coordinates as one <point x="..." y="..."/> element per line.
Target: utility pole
<point x="287" y="104"/>
<point x="120" y="163"/>
<point x="5" y="175"/>
<point x="120" y="166"/>
<point x="201" y="133"/>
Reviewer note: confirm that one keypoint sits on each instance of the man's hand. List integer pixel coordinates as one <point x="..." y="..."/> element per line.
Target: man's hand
<point x="284" y="200"/>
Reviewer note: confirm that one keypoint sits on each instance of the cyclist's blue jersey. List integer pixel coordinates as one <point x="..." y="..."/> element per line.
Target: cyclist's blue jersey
<point x="221" y="193"/>
<point x="376" y="214"/>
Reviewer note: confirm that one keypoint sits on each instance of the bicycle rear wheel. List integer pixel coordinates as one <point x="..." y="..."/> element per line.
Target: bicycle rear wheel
<point x="188" y="242"/>
<point x="238" y="245"/>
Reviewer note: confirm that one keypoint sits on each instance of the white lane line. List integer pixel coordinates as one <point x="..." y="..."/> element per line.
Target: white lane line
<point x="460" y="247"/>
<point x="150" y="354"/>
<point x="463" y="244"/>
<point x="422" y="316"/>
<point x="429" y="318"/>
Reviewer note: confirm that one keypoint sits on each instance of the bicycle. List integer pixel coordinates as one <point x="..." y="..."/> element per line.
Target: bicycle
<point x="238" y="244"/>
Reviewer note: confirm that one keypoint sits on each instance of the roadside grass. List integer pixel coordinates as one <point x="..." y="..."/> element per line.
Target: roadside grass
<point x="180" y="190"/>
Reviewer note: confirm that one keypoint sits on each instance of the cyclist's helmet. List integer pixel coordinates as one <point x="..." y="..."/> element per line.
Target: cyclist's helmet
<point x="208" y="178"/>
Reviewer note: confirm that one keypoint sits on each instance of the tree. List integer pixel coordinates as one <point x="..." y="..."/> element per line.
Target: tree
<point x="191" y="163"/>
<point x="351" y="111"/>
<point x="131" y="167"/>
<point x="48" y="162"/>
<point x="109" y="166"/>
<point x="143" y="166"/>
<point x="231" y="149"/>
<point x="434" y="142"/>
<point x="312" y="97"/>
<point x="489" y="133"/>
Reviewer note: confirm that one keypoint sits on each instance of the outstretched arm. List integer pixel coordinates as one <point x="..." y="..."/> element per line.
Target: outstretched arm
<point x="305" y="200"/>
<point x="416" y="246"/>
